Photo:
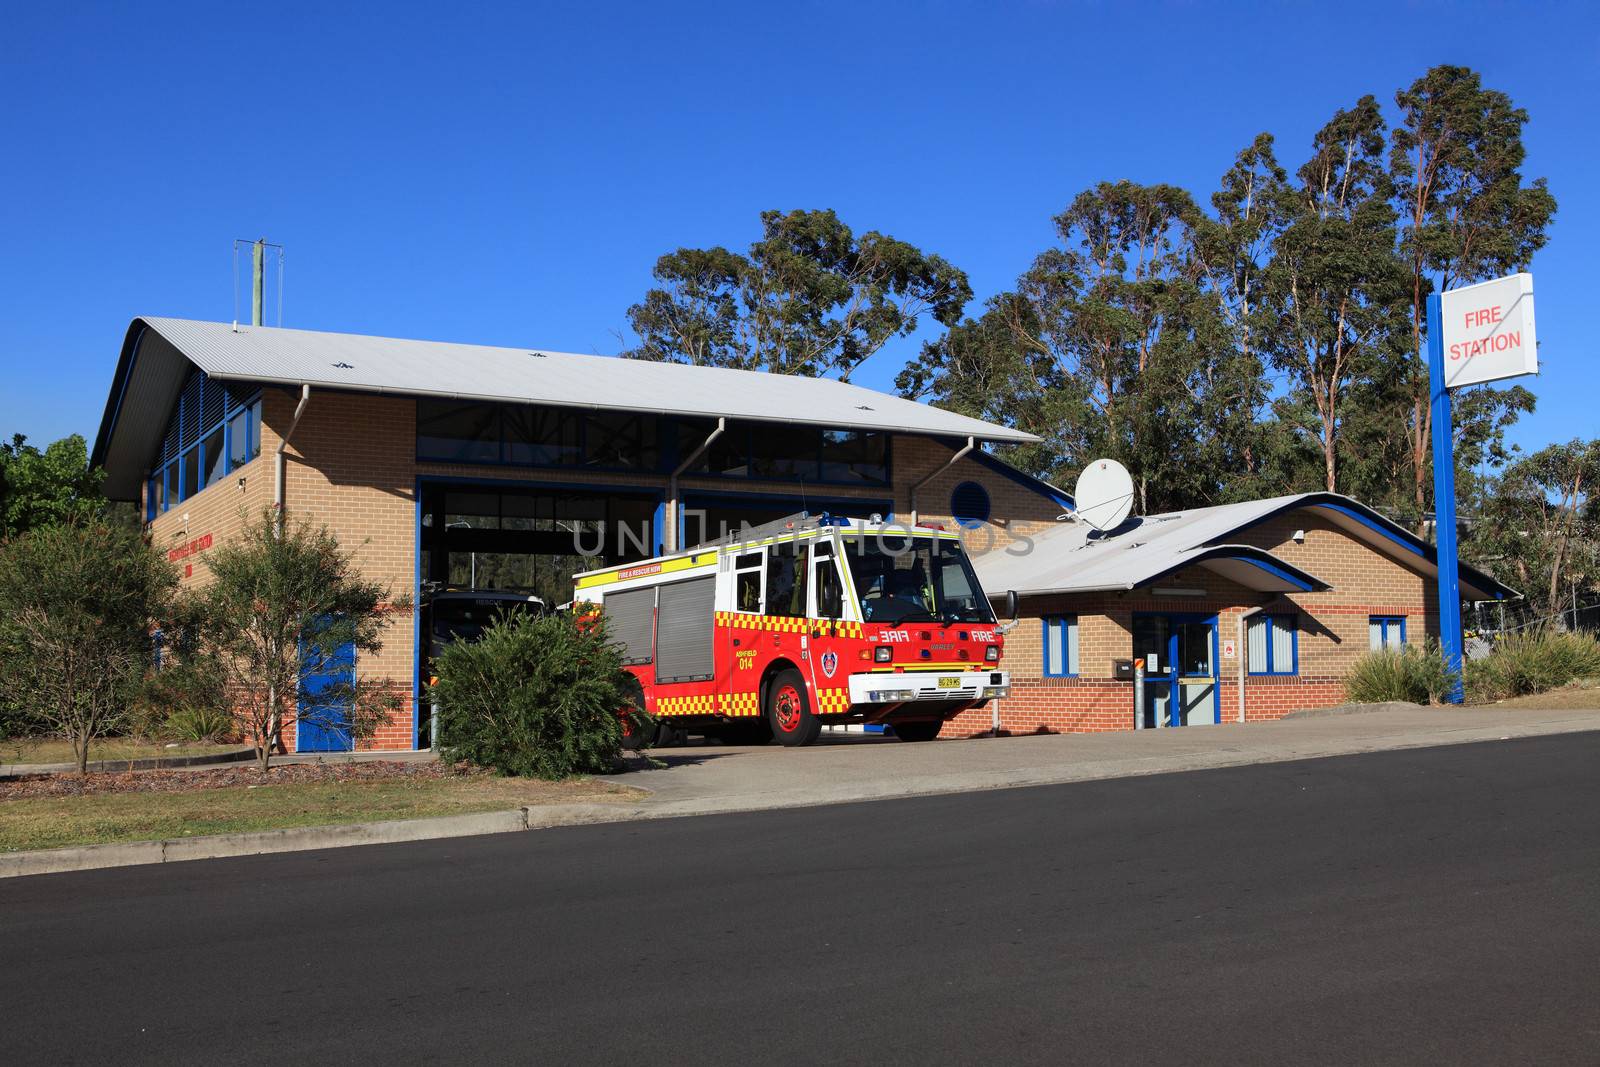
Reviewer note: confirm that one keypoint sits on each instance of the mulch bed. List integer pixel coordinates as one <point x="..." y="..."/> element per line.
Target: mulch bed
<point x="232" y="775"/>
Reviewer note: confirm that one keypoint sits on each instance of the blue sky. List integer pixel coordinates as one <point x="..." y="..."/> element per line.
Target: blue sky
<point x="508" y="174"/>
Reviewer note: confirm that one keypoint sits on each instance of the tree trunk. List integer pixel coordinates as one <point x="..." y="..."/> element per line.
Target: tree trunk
<point x="80" y="751"/>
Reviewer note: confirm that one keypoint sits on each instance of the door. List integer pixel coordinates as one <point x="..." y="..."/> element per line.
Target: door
<point x="1180" y="680"/>
<point x="327" y="687"/>
<point x="830" y="671"/>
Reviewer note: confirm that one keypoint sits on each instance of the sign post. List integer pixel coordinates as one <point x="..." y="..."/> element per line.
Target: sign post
<point x="1478" y="333"/>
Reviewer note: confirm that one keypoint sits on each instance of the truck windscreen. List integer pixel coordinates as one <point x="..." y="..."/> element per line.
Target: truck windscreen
<point x="910" y="579"/>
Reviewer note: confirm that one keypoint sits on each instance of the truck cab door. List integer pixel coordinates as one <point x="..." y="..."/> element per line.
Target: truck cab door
<point x="829" y="646"/>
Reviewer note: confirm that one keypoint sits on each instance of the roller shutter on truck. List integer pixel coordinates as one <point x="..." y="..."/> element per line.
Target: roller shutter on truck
<point x="684" y="630"/>
<point x="630" y="619"/>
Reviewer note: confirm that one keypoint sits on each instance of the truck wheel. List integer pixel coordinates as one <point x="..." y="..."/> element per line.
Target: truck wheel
<point x="789" y="710"/>
<point x="917" y="731"/>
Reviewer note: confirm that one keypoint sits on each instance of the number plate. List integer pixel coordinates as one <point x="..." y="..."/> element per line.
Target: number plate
<point x="949" y="683"/>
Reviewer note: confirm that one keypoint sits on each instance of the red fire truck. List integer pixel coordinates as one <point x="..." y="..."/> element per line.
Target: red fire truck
<point x="780" y="629"/>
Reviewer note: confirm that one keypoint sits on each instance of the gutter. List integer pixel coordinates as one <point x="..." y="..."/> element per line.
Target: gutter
<point x="972" y="442"/>
<point x="277" y="456"/>
<point x="671" y="538"/>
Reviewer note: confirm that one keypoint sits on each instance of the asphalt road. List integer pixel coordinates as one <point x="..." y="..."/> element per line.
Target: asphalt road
<point x="1438" y="904"/>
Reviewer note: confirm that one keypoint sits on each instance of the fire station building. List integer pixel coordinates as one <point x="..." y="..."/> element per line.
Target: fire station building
<point x="447" y="465"/>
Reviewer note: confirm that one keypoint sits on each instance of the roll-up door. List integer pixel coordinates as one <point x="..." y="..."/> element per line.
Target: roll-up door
<point x="684" y="630"/>
<point x="631" y="619"/>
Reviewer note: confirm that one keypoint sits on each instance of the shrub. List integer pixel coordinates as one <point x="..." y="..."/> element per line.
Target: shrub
<point x="535" y="697"/>
<point x="1418" y="675"/>
<point x="76" y="606"/>
<point x="1533" y="663"/>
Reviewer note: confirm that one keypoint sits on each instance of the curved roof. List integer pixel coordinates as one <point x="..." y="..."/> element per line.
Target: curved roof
<point x="1072" y="558"/>
<point x="149" y="376"/>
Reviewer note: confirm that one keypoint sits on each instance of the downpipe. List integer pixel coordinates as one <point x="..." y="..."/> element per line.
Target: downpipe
<point x="972" y="442"/>
<point x="671" y="531"/>
<point x="277" y="514"/>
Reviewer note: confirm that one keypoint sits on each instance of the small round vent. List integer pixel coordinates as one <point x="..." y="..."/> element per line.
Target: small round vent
<point x="969" y="504"/>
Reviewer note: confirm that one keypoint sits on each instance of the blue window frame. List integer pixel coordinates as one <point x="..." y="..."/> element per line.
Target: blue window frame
<point x="214" y="430"/>
<point x="1272" y="645"/>
<point x="1060" y="646"/>
<point x="1386" y="631"/>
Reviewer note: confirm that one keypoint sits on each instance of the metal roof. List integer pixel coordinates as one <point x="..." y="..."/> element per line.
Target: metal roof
<point x="389" y="365"/>
<point x="1073" y="558"/>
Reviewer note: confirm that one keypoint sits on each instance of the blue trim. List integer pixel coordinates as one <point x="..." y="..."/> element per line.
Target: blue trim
<point x="416" y="618"/>
<point x="968" y="517"/>
<point x="1271" y="631"/>
<point x="1022" y="478"/>
<point x="1278" y="572"/>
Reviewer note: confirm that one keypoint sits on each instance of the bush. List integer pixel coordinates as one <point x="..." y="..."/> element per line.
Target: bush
<point x="1413" y="674"/>
<point x="1532" y="663"/>
<point x="534" y="697"/>
<point x="76" y="606"/>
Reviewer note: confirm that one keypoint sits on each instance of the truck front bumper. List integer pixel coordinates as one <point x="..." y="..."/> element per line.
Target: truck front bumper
<point x="898" y="687"/>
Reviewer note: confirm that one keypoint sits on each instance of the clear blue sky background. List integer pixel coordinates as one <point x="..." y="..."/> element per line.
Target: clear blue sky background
<point x="508" y="174"/>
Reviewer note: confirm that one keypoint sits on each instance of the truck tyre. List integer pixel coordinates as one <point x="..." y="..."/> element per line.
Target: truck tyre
<point x="789" y="710"/>
<point x="638" y="730"/>
<point x="917" y="731"/>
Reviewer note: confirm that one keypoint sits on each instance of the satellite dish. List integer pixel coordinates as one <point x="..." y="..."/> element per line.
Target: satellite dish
<point x="1104" y="494"/>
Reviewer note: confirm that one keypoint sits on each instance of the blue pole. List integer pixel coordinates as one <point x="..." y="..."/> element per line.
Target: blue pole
<point x="1444" y="505"/>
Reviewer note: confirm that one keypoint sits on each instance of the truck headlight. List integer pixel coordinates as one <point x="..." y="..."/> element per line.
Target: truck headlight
<point x="882" y="654"/>
<point x="991" y="654"/>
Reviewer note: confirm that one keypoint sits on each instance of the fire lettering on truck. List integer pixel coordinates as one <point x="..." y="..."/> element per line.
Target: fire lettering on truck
<point x="895" y="635"/>
<point x="638" y="572"/>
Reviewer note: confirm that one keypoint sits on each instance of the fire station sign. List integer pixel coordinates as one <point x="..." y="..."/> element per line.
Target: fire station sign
<point x="1488" y="331"/>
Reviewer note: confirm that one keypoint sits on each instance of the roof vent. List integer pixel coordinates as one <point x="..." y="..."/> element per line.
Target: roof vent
<point x="343" y="366"/>
<point x="864" y="407"/>
<point x="537" y="355"/>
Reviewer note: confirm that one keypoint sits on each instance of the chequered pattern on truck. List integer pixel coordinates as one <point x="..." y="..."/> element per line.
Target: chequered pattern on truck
<point x="739" y="620"/>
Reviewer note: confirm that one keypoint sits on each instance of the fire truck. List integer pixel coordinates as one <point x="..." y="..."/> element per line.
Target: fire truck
<point x="780" y="629"/>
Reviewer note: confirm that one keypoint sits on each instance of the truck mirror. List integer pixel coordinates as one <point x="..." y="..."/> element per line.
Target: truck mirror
<point x="1012" y="605"/>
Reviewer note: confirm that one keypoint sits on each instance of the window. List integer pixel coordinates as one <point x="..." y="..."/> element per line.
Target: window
<point x="1272" y="645"/>
<point x="747" y="582"/>
<point x="215" y="428"/>
<point x="215" y="457"/>
<point x="855" y="456"/>
<point x="1060" y="646"/>
<point x="786" y="583"/>
<point x="455" y="432"/>
<point x="829" y="588"/>
<point x="969" y="504"/>
<point x="1386" y="631"/>
<point x="540" y="437"/>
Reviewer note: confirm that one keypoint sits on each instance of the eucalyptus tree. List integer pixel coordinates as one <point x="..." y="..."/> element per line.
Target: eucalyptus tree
<point x="810" y="298"/>
<point x="1336" y="285"/>
<point x="1467" y="216"/>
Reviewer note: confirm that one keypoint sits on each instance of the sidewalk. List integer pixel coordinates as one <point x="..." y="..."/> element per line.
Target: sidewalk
<point x="713" y="778"/>
<point x="709" y="779"/>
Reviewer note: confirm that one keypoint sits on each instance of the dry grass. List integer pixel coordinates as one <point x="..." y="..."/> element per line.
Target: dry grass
<point x="49" y="750"/>
<point x="1580" y="696"/>
<point x="103" y="818"/>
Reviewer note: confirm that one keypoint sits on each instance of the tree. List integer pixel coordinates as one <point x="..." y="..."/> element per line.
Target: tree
<point x="1336" y="285"/>
<point x="1456" y="163"/>
<point x="1540" y="526"/>
<point x="811" y="299"/>
<point x="278" y="613"/>
<point x="55" y="485"/>
<point x="78" y="602"/>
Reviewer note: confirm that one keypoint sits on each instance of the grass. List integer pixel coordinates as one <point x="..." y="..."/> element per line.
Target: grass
<point x="49" y="750"/>
<point x="58" y="822"/>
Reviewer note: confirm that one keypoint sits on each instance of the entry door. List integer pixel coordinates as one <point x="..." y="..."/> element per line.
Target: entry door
<point x="327" y="687"/>
<point x="1152" y="642"/>
<point x="1179" y="651"/>
<point x="1194" y="655"/>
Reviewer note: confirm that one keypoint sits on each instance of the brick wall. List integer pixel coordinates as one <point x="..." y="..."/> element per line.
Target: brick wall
<point x="1332" y="633"/>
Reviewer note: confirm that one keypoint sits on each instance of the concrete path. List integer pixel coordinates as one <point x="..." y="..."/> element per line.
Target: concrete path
<point x="713" y="778"/>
